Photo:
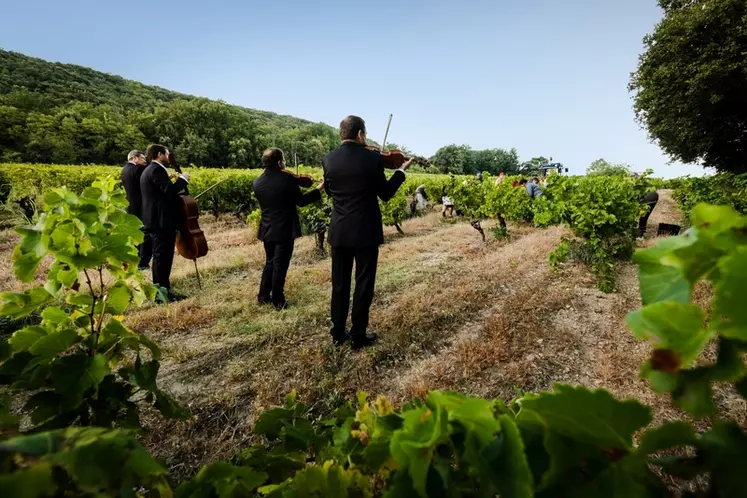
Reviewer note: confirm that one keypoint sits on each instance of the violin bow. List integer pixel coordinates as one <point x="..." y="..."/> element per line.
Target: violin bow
<point x="386" y="133"/>
<point x="209" y="188"/>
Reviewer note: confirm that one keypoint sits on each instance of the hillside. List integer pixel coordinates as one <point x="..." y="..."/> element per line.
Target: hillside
<point x="57" y="84"/>
<point x="64" y="113"/>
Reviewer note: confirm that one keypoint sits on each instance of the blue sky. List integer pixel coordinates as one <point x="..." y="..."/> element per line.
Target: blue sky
<point x="547" y="77"/>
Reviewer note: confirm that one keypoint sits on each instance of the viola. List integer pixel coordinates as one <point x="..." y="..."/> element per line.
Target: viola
<point x="190" y="240"/>
<point x="393" y="159"/>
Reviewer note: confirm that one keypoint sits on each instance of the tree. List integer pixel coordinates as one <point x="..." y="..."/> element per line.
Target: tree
<point x="600" y="167"/>
<point x="452" y="159"/>
<point x="690" y="83"/>
<point x="532" y="167"/>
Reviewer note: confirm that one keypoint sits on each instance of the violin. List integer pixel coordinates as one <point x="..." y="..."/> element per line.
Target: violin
<point x="393" y="159"/>
<point x="190" y="240"/>
<point x="303" y="180"/>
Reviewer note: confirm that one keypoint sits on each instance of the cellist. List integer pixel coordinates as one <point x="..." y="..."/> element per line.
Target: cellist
<point x="160" y="215"/>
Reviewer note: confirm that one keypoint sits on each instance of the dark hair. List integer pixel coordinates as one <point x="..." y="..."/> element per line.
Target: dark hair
<point x="535" y="179"/>
<point x="271" y="158"/>
<point x="523" y="181"/>
<point x="350" y="126"/>
<point x="153" y="150"/>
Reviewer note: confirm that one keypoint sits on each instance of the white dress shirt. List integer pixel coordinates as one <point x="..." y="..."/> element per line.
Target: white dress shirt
<point x="167" y="171"/>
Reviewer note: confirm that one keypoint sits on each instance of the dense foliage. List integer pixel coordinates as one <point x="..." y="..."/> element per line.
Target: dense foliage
<point x="67" y="114"/>
<point x="601" y="210"/>
<point x="689" y="85"/>
<point x="66" y="362"/>
<point x="600" y="167"/>
<point x="723" y="188"/>
<point x="570" y="442"/>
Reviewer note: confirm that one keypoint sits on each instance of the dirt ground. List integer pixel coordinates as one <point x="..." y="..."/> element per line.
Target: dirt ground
<point x="452" y="312"/>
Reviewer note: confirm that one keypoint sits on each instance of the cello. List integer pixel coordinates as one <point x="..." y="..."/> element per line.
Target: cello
<point x="190" y="240"/>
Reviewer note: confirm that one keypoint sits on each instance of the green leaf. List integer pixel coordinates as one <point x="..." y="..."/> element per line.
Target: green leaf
<point x="28" y="253"/>
<point x="725" y="453"/>
<point x="129" y="225"/>
<point x="17" y="305"/>
<point x="511" y="473"/>
<point x="55" y="343"/>
<point x="474" y="414"/>
<point x="43" y="406"/>
<point x="75" y="373"/>
<point x="118" y="298"/>
<point x="666" y="436"/>
<point x="672" y="326"/>
<point x="32" y="482"/>
<point x="591" y="417"/>
<point x="729" y="303"/>
<point x="413" y="446"/>
<point x="23" y="339"/>
<point x="694" y="393"/>
<point x="54" y="314"/>
<point x="222" y="480"/>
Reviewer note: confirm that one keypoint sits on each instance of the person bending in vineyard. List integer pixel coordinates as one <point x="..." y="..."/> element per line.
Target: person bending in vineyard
<point x="160" y="213"/>
<point x="354" y="178"/>
<point x="130" y="177"/>
<point x="649" y="200"/>
<point x="278" y="194"/>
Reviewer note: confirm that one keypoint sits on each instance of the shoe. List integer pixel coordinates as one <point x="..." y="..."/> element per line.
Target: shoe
<point x="176" y="297"/>
<point x="143" y="268"/>
<point x="262" y="302"/>
<point x="282" y="306"/>
<point x="340" y="339"/>
<point x="361" y="341"/>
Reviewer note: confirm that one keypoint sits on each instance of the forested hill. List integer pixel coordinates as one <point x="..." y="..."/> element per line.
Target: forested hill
<point x="63" y="113"/>
<point x="67" y="114"/>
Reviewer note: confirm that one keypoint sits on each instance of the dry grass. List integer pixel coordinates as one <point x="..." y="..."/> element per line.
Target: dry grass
<point x="452" y="312"/>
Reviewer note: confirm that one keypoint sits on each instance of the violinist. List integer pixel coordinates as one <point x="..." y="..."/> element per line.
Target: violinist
<point x="278" y="193"/>
<point x="354" y="178"/>
<point x="160" y="213"/>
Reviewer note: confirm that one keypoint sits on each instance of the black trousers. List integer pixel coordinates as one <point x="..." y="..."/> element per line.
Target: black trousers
<point x="366" y="259"/>
<point x="643" y="221"/>
<point x="145" y="251"/>
<point x="163" y="256"/>
<point x="277" y="260"/>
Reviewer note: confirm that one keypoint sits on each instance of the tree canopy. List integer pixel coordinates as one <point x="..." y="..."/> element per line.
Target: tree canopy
<point x="690" y="83"/>
<point x="601" y="167"/>
<point x="461" y="159"/>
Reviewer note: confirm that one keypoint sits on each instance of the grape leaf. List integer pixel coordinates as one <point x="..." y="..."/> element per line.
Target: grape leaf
<point x="31" y="482"/>
<point x="729" y="303"/>
<point x="28" y="253"/>
<point x="118" y="298"/>
<point x="666" y="436"/>
<point x="672" y="326"/>
<point x="23" y="339"/>
<point x="725" y="453"/>
<point x="591" y="417"/>
<point x="413" y="445"/>
<point x="511" y="474"/>
<point x="17" y="305"/>
<point x="55" y="343"/>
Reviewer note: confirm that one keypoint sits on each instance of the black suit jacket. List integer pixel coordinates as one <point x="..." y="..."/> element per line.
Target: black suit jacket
<point x="160" y="198"/>
<point x="354" y="178"/>
<point x="278" y="194"/>
<point x="130" y="177"/>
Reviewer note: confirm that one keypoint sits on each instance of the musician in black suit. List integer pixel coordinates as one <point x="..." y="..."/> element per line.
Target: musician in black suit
<point x="354" y="178"/>
<point x="160" y="213"/>
<point x="278" y="194"/>
<point x="130" y="177"/>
